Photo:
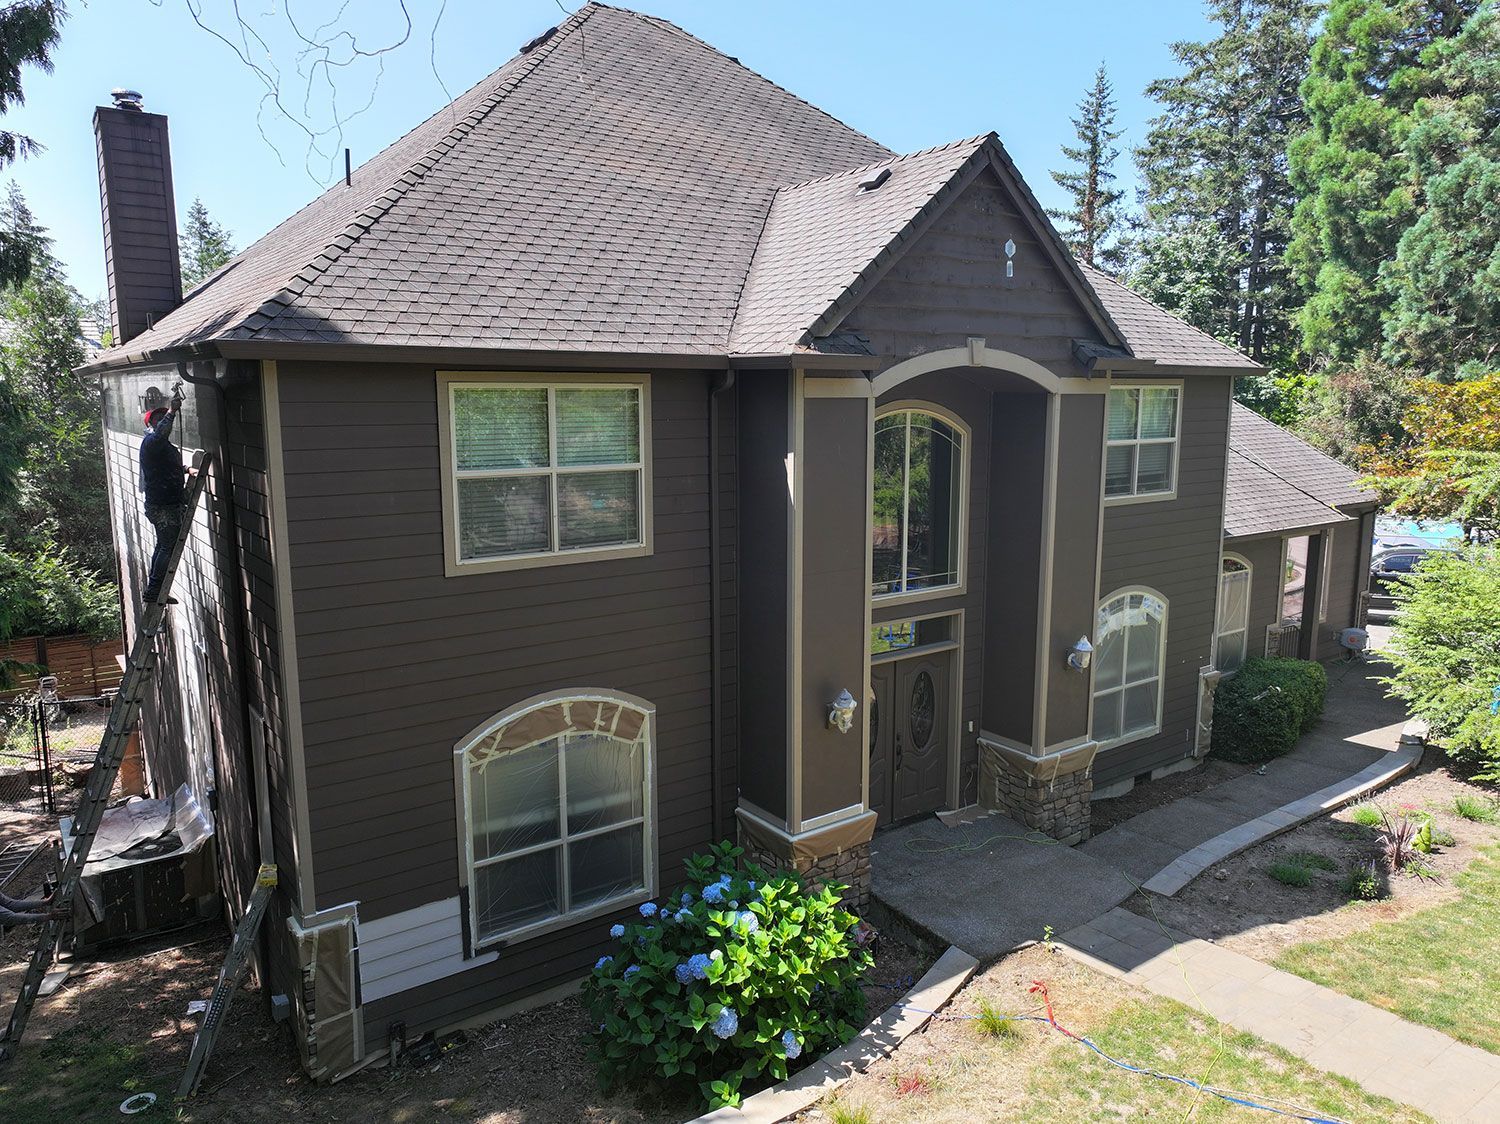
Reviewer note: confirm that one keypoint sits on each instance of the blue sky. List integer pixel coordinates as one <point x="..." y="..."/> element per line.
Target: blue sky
<point x="909" y="74"/>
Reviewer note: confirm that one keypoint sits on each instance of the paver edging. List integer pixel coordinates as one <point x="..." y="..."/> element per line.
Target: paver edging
<point x="1177" y="874"/>
<point x="904" y="1018"/>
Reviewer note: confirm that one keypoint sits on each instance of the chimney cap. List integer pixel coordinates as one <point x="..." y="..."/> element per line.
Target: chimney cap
<point x="126" y="99"/>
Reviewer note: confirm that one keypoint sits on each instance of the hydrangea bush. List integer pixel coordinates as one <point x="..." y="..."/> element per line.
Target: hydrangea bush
<point x="728" y="979"/>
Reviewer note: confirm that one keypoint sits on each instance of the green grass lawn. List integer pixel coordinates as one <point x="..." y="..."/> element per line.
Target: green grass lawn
<point x="1440" y="967"/>
<point x="78" y="1075"/>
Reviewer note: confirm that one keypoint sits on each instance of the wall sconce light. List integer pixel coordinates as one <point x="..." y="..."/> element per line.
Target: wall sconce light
<point x="1081" y="654"/>
<point x="841" y="712"/>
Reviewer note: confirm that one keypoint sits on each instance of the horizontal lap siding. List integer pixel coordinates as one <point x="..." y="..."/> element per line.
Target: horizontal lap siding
<point x="1348" y="576"/>
<point x="1173" y="547"/>
<point x="1264" y="556"/>
<point x="398" y="662"/>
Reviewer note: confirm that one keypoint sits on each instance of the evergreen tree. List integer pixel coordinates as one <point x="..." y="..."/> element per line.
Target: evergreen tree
<point x="205" y="245"/>
<point x="1215" y="174"/>
<point x="1356" y="192"/>
<point x="28" y="33"/>
<point x="1093" y="223"/>
<point x="1443" y="288"/>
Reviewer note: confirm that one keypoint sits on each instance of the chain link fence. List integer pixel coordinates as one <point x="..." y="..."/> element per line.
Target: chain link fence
<point x="47" y="749"/>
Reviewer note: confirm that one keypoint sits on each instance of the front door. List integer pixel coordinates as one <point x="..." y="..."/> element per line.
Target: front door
<point x="909" y="736"/>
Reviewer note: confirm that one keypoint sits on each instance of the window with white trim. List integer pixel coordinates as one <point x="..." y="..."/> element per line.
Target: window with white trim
<point x="545" y="469"/>
<point x="1231" y="639"/>
<point x="918" y="503"/>
<point x="558" y="818"/>
<point x="1129" y="653"/>
<point x="1141" y="452"/>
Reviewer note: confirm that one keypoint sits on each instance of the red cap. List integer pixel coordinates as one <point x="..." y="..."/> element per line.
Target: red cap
<point x="151" y="413"/>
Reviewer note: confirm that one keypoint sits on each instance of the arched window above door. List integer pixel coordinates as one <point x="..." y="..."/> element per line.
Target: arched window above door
<point x="918" y="505"/>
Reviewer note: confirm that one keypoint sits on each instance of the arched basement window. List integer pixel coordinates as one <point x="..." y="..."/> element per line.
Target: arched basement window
<point x="558" y="818"/>
<point x="918" y="502"/>
<point x="1231" y="639"/>
<point x="1130" y="651"/>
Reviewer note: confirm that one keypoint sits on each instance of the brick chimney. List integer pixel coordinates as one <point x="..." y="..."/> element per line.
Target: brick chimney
<point x="140" y="215"/>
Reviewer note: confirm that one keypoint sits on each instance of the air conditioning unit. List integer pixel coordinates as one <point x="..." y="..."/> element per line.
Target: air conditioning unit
<point x="1355" y="639"/>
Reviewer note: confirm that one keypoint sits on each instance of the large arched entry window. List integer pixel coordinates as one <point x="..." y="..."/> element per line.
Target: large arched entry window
<point x="557" y="808"/>
<point x="1130" y="651"/>
<point x="917" y="517"/>
<point x="1231" y="639"/>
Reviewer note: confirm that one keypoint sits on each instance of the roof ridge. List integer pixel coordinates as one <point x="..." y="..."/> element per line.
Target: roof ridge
<point x="669" y="25"/>
<point x="367" y="217"/>
<point x="1142" y="297"/>
<point x="980" y="139"/>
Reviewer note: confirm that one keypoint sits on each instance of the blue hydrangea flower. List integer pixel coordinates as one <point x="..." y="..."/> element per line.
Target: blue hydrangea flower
<point x="687" y="898"/>
<point x="713" y="894"/>
<point x="791" y="1046"/>
<point x="749" y="922"/>
<point x="648" y="909"/>
<point x="752" y="885"/>
<point x="682" y="915"/>
<point x="617" y="930"/>
<point x="734" y="905"/>
<point x="683" y="973"/>
<point x="726" y="1024"/>
<point x="602" y="961"/>
<point x="632" y="970"/>
<point x="698" y="965"/>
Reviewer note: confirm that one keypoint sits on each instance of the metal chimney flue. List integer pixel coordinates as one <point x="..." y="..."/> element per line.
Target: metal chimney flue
<point x="140" y="214"/>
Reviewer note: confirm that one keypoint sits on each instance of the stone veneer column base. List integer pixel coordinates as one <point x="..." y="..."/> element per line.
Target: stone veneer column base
<point x="1049" y="794"/>
<point x="839" y="853"/>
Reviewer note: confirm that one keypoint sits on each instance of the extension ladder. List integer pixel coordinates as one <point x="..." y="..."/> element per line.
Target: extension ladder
<point x="101" y="782"/>
<point x="230" y="977"/>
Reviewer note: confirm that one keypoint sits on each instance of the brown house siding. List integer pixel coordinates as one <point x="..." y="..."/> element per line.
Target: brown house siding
<point x="397" y="662"/>
<point x="1173" y="546"/>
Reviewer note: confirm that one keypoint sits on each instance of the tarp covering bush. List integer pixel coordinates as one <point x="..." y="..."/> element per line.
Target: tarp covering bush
<point x="1261" y="712"/>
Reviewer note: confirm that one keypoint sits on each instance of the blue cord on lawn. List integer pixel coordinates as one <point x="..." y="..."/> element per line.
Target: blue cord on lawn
<point x="1188" y="1081"/>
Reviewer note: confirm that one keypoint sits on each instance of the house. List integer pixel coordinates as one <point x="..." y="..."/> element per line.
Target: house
<point x="633" y="456"/>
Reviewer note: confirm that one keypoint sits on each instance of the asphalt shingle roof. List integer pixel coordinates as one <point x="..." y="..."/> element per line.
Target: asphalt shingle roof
<point x="621" y="186"/>
<point x="1278" y="482"/>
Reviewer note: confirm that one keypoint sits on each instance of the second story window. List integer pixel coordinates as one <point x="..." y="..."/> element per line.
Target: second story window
<point x="1141" y="459"/>
<point x="918" y="503"/>
<point x="544" y="472"/>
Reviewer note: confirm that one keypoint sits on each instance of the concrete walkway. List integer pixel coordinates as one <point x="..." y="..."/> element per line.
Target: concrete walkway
<point x="1454" y="1083"/>
<point x="1355" y="748"/>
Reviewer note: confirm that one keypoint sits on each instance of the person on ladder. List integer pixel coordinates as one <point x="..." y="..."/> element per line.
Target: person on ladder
<point x="162" y="477"/>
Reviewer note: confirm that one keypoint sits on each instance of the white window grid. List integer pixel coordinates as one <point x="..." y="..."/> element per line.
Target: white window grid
<point x="552" y="470"/>
<point x="561" y="844"/>
<point x="1156" y="607"/>
<point x="900" y="586"/>
<point x="1243" y="573"/>
<point x="1138" y="441"/>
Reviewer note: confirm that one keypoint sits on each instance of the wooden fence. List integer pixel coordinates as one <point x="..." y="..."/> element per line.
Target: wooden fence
<point x="83" y="667"/>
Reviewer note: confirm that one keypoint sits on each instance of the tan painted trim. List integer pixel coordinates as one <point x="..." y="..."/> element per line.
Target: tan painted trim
<point x="807" y="839"/>
<point x="286" y="627"/>
<point x="869" y="693"/>
<point x="954" y="649"/>
<point x="1098" y="557"/>
<point x="1213" y="639"/>
<point x="797" y="424"/>
<point x="856" y="386"/>
<point x="961" y="587"/>
<point x="978" y="354"/>
<point x="1044" y="652"/>
<point x="1151" y="497"/>
<point x="453" y="567"/>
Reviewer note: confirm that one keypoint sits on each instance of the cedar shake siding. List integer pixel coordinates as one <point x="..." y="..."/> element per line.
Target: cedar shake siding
<point x="398" y="662"/>
<point x="1173" y="546"/>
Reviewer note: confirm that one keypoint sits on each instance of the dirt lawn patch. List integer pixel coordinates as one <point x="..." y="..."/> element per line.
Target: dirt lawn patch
<point x="1239" y="905"/>
<point x="1105" y="814"/>
<point x="120" y="1026"/>
<point x="952" y="1071"/>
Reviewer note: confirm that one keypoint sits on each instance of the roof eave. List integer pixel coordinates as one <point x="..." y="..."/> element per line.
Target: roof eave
<point x="122" y="358"/>
<point x="1106" y="365"/>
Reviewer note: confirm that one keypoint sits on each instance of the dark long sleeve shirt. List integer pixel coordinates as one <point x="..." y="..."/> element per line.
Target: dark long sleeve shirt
<point x="161" y="464"/>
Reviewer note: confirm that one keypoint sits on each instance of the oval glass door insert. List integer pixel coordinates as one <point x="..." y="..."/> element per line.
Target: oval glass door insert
<point x="923" y="710"/>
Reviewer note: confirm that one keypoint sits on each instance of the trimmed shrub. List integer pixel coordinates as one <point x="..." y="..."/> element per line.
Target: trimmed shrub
<point x="726" y="980"/>
<point x="1260" y="713"/>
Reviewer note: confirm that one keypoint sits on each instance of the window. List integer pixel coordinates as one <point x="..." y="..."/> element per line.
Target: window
<point x="897" y="636"/>
<point x="545" y="472"/>
<point x="557" y="805"/>
<point x="1129" y="652"/>
<point x="1325" y="581"/>
<point x="1294" y="578"/>
<point x="1141" y="458"/>
<point x="918" y="504"/>
<point x="1232" y="639"/>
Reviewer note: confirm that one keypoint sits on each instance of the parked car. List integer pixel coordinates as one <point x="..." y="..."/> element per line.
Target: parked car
<point x="1386" y="565"/>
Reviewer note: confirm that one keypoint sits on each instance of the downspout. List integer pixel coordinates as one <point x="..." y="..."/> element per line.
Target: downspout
<point x="718" y="385"/>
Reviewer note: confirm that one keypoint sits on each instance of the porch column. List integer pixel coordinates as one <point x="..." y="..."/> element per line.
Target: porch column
<point x="806" y="447"/>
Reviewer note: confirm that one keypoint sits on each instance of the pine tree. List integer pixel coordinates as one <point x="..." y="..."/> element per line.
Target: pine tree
<point x="1216" y="155"/>
<point x="205" y="245"/>
<point x="1093" y="223"/>
<point x="1442" y="291"/>
<point x="1357" y="193"/>
<point x="28" y="32"/>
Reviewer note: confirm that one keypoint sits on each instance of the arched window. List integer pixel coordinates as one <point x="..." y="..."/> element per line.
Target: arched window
<point x="918" y="502"/>
<point x="1230" y="641"/>
<point x="1130" y="650"/>
<point x="557" y="812"/>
